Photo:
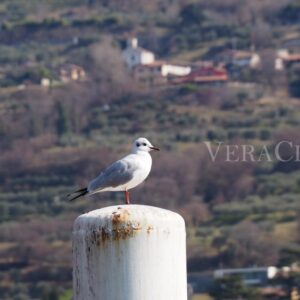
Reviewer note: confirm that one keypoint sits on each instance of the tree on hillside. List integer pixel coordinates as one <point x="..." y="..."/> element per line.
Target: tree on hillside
<point x="191" y="14"/>
<point x="261" y="35"/>
<point x="247" y="245"/>
<point x="290" y="13"/>
<point x="294" y="81"/>
<point x="224" y="181"/>
<point x="195" y="213"/>
<point x="108" y="71"/>
<point x="298" y="226"/>
<point x="63" y="125"/>
<point x="285" y="147"/>
<point x="268" y="71"/>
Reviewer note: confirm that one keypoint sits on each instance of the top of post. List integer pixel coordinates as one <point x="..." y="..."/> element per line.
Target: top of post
<point x="123" y="221"/>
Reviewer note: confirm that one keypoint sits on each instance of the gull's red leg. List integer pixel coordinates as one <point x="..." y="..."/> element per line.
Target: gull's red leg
<point x="127" y="197"/>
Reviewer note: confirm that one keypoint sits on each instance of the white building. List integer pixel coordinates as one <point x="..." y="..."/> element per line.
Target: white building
<point x="240" y="58"/>
<point x="250" y="276"/>
<point x="148" y="70"/>
<point x="244" y="59"/>
<point x="45" y="82"/>
<point x="174" y="70"/>
<point x="71" y="72"/>
<point x="134" y="55"/>
<point x="159" y="72"/>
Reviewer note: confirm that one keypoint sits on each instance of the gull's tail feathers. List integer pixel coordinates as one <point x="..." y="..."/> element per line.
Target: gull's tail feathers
<point x="78" y="194"/>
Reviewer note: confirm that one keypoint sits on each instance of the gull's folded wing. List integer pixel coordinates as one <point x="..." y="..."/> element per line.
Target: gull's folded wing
<point x="117" y="174"/>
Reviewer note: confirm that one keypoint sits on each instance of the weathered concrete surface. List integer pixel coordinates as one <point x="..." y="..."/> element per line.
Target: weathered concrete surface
<point x="129" y="252"/>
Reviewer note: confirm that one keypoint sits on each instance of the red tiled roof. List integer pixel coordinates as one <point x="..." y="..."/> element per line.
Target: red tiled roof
<point x="292" y="57"/>
<point x="203" y="75"/>
<point x="268" y="291"/>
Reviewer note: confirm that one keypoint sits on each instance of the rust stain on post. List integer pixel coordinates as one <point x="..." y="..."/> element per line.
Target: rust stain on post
<point x="122" y="228"/>
<point x="104" y="235"/>
<point x="119" y="217"/>
<point x="149" y="229"/>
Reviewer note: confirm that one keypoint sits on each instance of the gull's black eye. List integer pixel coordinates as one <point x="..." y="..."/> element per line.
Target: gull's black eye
<point x="144" y="144"/>
<point x="137" y="144"/>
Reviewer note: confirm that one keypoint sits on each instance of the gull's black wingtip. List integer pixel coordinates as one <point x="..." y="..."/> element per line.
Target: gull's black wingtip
<point x="78" y="194"/>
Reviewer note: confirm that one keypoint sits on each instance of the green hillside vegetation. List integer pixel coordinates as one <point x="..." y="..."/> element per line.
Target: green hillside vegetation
<point x="53" y="140"/>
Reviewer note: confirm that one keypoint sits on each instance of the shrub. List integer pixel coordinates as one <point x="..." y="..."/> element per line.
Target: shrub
<point x="265" y="134"/>
<point x="187" y="89"/>
<point x="249" y="134"/>
<point x="290" y="13"/>
<point x="294" y="81"/>
<point x="191" y="14"/>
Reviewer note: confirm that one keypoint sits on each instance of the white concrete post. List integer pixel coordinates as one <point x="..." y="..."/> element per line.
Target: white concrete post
<point x="129" y="252"/>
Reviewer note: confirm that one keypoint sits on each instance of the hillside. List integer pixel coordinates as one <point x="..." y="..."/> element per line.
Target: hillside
<point x="240" y="209"/>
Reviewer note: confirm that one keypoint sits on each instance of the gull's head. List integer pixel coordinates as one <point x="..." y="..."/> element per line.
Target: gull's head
<point x="143" y="145"/>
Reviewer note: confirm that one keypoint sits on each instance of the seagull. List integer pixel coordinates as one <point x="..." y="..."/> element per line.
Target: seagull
<point x="124" y="174"/>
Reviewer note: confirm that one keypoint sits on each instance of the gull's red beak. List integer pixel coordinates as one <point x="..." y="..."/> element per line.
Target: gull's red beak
<point x="154" y="148"/>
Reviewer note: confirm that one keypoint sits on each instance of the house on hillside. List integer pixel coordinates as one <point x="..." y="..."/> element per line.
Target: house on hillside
<point x="71" y="72"/>
<point x="146" y="69"/>
<point x="134" y="55"/>
<point x="285" y="59"/>
<point x="239" y="59"/>
<point x="292" y="58"/>
<point x="159" y="72"/>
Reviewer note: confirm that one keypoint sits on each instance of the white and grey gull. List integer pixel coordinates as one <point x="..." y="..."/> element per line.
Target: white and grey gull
<point x="124" y="174"/>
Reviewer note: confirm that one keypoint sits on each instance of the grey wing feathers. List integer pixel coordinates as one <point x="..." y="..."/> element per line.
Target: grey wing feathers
<point x="116" y="174"/>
